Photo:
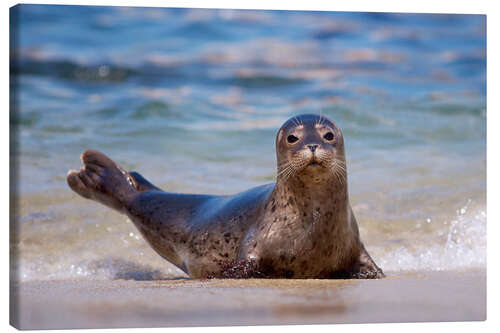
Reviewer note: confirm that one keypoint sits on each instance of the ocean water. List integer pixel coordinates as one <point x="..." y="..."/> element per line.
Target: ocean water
<point x="193" y="99"/>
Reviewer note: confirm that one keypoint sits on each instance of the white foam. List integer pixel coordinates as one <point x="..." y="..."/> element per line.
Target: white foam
<point x="462" y="247"/>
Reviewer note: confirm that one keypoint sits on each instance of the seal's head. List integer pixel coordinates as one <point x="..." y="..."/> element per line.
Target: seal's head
<point x="310" y="147"/>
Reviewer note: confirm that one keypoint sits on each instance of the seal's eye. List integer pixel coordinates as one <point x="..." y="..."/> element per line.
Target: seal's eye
<point x="292" y="139"/>
<point x="328" y="136"/>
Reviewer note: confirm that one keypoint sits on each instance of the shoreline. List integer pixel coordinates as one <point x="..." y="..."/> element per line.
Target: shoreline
<point x="407" y="297"/>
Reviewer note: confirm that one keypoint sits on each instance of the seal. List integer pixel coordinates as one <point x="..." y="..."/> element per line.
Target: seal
<point x="302" y="226"/>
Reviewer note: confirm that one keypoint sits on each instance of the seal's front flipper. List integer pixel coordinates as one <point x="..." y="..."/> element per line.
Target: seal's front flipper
<point x="102" y="180"/>
<point x="366" y="268"/>
<point x="140" y="183"/>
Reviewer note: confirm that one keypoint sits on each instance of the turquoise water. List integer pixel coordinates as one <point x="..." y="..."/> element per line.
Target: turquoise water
<point x="193" y="99"/>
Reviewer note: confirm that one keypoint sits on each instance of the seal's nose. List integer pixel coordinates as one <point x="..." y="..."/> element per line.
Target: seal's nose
<point x="312" y="147"/>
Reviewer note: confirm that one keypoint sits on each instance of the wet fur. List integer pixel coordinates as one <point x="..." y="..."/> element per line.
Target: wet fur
<point x="302" y="226"/>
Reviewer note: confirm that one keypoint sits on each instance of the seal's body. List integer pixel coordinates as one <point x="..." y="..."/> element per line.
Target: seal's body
<point x="302" y="226"/>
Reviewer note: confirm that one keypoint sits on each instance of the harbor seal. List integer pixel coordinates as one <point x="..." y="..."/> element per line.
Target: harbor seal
<point x="302" y="226"/>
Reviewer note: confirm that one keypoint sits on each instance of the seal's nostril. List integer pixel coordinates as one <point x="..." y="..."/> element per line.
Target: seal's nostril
<point x="312" y="147"/>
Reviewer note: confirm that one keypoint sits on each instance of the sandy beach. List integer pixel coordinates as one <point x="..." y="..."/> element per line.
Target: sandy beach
<point x="437" y="296"/>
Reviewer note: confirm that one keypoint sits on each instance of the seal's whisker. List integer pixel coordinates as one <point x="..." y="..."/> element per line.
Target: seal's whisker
<point x="298" y="120"/>
<point x="320" y="122"/>
<point x="334" y="172"/>
<point x="339" y="177"/>
<point x="338" y="169"/>
<point x="284" y="170"/>
<point x="289" y="172"/>
<point x="283" y="165"/>
<point x="338" y="165"/>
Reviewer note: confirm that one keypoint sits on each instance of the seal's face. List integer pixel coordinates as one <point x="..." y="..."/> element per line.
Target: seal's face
<point x="309" y="145"/>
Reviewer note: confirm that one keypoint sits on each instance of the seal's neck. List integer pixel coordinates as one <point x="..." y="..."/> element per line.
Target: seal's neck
<point x="313" y="191"/>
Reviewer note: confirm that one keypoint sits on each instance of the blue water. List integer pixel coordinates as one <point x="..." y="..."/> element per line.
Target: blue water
<point x="193" y="100"/>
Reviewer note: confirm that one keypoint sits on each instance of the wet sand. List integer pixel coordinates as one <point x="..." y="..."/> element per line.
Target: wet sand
<point x="439" y="296"/>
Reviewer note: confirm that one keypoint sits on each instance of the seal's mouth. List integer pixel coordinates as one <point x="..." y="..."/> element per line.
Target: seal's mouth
<point x="315" y="163"/>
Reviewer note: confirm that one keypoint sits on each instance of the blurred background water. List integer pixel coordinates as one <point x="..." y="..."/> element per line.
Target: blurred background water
<point x="193" y="98"/>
